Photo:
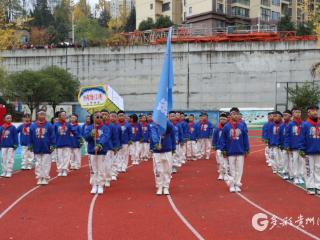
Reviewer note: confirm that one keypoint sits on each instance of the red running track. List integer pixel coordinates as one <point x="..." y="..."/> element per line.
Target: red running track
<point x="130" y="209"/>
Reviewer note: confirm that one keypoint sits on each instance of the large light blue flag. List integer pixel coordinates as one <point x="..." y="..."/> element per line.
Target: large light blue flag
<point x="164" y="101"/>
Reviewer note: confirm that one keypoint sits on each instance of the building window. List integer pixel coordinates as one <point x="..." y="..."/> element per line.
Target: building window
<point x="265" y="14"/>
<point x="276" y="2"/>
<point x="241" y="12"/>
<point x="151" y="6"/>
<point x="243" y="2"/>
<point x="275" y="16"/>
<point x="166" y="7"/>
<point x="220" y="8"/>
<point x="265" y="3"/>
<point x="190" y="10"/>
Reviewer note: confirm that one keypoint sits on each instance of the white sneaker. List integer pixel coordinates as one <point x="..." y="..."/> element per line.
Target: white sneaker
<point x="301" y="181"/>
<point x="64" y="173"/>
<point x="220" y="177"/>
<point x="8" y="175"/>
<point x="39" y="181"/>
<point x="232" y="189"/>
<point x="166" y="191"/>
<point x="100" y="190"/>
<point x="237" y="188"/>
<point x="123" y="170"/>
<point x="174" y="170"/>
<point x="114" y="178"/>
<point x="44" y="181"/>
<point x="3" y="174"/>
<point x="94" y="189"/>
<point x="60" y="174"/>
<point x="159" y="191"/>
<point x="311" y="191"/>
<point x="107" y="184"/>
<point x="296" y="181"/>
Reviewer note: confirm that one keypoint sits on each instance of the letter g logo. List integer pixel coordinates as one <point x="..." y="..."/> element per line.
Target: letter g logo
<point x="260" y="221"/>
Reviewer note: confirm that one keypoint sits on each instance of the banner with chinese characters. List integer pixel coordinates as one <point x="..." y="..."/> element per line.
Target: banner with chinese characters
<point x="98" y="97"/>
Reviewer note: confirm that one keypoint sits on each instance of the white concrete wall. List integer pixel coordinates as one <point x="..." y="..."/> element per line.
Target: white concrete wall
<point x="220" y="74"/>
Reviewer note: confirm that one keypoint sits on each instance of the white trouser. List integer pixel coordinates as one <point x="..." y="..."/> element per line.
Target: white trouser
<point x="285" y="161"/>
<point x="134" y="150"/>
<point x="116" y="166"/>
<point x="145" y="149"/>
<point x="176" y="162"/>
<point x="54" y="155"/>
<point x="162" y="168"/>
<point x="108" y="162"/>
<point x="7" y="159"/>
<point x="312" y="171"/>
<point x="236" y="169"/>
<point x="205" y="147"/>
<point x="43" y="165"/>
<point x="123" y="157"/>
<point x="192" y="150"/>
<point x="63" y="159"/>
<point x="27" y="158"/>
<point x="296" y="164"/>
<point x="223" y="163"/>
<point x="267" y="153"/>
<point x="75" y="158"/>
<point x="183" y="151"/>
<point x="275" y="158"/>
<point x="98" y="169"/>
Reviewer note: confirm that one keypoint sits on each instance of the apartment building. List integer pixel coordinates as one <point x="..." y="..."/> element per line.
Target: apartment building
<point x="118" y="6"/>
<point x="155" y="8"/>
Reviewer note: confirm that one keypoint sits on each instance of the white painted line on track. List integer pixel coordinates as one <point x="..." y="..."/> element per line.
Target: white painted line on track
<point x="184" y="220"/>
<point x="90" y="215"/>
<point x="278" y="218"/>
<point x="8" y="209"/>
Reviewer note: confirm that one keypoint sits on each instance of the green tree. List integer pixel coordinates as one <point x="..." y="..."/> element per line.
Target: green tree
<point x="305" y="29"/>
<point x="90" y="31"/>
<point x="42" y="17"/>
<point x="66" y="88"/>
<point x="285" y="24"/>
<point x="163" y="22"/>
<point x="146" y="24"/>
<point x="131" y="22"/>
<point x="305" y="95"/>
<point x="33" y="88"/>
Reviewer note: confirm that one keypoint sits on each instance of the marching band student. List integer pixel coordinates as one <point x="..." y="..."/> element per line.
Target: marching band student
<point x="126" y="136"/>
<point x="24" y="131"/>
<point x="265" y="137"/>
<point x="235" y="145"/>
<point x="205" y="132"/>
<point x="98" y="137"/>
<point x="54" y="154"/>
<point x="42" y="142"/>
<point x="76" y="143"/>
<point x="86" y="124"/>
<point x="284" y="154"/>
<point x="184" y="126"/>
<point x="191" y="145"/>
<point x="179" y="140"/>
<point x="274" y="140"/>
<point x="311" y="150"/>
<point x="163" y="146"/>
<point x="9" y="143"/>
<point x="293" y="143"/>
<point x="223" y="164"/>
<point x="62" y="130"/>
<point x="116" y="144"/>
<point x="145" y="145"/>
<point x="136" y="139"/>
